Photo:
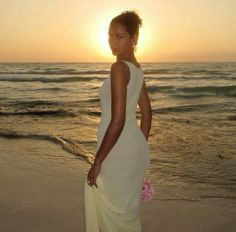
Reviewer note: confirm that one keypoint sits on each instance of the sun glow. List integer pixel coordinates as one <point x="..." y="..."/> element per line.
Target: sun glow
<point x="143" y="45"/>
<point x="99" y="38"/>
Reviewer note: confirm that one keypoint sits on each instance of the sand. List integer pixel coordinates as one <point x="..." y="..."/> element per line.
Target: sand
<point x="42" y="191"/>
<point x="50" y="204"/>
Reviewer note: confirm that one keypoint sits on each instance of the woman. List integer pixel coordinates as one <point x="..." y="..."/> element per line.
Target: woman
<point x="113" y="186"/>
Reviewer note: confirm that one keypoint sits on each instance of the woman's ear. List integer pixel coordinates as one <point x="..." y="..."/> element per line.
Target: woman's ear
<point x="135" y="39"/>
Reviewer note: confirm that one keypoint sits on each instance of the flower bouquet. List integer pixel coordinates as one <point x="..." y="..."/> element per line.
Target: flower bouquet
<point x="147" y="192"/>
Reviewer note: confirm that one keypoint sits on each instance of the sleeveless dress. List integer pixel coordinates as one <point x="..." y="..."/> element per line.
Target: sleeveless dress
<point x="115" y="205"/>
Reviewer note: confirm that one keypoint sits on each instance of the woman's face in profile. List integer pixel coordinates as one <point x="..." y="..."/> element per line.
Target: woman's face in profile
<point x="119" y="39"/>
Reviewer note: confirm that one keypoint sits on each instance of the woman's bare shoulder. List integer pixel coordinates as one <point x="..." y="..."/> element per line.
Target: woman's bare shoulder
<point x="120" y="71"/>
<point x="119" y="66"/>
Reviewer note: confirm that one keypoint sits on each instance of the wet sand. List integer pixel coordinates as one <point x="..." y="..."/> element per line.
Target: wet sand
<point x="57" y="205"/>
<point x="37" y="196"/>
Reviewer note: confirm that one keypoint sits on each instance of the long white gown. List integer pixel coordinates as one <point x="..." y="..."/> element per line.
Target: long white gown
<point x="115" y="205"/>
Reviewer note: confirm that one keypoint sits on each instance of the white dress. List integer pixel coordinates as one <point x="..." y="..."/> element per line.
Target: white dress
<point x="115" y="205"/>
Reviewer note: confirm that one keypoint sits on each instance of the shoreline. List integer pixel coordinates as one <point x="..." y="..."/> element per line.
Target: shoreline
<point x="42" y="190"/>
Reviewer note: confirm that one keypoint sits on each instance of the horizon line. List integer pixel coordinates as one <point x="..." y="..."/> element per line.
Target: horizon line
<point x="84" y="62"/>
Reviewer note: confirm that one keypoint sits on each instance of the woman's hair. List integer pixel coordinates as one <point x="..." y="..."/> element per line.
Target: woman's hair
<point x="130" y="20"/>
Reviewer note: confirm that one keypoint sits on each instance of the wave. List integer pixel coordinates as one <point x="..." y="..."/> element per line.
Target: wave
<point x="61" y="113"/>
<point x="59" y="72"/>
<point x="185" y="108"/>
<point x="159" y="71"/>
<point x="187" y="78"/>
<point x="217" y="90"/>
<point x="212" y="89"/>
<point x="47" y="89"/>
<point x="48" y="80"/>
<point x="232" y="117"/>
<point x="44" y="104"/>
<point x="207" y="72"/>
<point x="224" y="107"/>
<point x="145" y="71"/>
<point x="229" y="91"/>
<point x="70" y="145"/>
<point x="163" y="88"/>
<point x="35" y="103"/>
<point x="182" y="70"/>
<point x="14" y="134"/>
<point x="191" y="96"/>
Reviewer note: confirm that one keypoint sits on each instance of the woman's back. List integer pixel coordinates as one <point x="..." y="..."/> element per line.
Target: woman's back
<point x="116" y="201"/>
<point x="133" y="91"/>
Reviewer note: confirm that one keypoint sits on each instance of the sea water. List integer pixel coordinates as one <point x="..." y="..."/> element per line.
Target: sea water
<point x="192" y="140"/>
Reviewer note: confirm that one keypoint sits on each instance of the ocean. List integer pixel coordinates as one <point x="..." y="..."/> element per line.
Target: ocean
<point x="192" y="140"/>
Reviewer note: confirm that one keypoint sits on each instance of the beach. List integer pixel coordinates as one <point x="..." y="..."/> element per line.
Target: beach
<point x="192" y="145"/>
<point x="37" y="197"/>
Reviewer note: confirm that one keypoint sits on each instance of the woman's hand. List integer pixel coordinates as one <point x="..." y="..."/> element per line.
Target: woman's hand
<point x="93" y="173"/>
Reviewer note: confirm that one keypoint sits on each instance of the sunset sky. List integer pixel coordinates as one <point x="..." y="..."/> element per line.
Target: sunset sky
<point x="76" y="30"/>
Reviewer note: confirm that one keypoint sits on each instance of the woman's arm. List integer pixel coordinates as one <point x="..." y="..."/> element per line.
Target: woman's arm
<point x="119" y="80"/>
<point x="146" y="111"/>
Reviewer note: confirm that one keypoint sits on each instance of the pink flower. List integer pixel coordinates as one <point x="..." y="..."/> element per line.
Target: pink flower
<point x="147" y="191"/>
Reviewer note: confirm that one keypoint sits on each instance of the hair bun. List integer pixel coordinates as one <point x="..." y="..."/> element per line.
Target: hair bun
<point x="132" y="17"/>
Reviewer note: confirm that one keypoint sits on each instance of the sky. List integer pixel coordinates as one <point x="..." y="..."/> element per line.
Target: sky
<point x="76" y="30"/>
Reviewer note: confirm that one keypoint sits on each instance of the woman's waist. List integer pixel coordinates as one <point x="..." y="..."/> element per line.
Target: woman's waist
<point x="104" y="122"/>
<point x="130" y="132"/>
<point x="130" y="118"/>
